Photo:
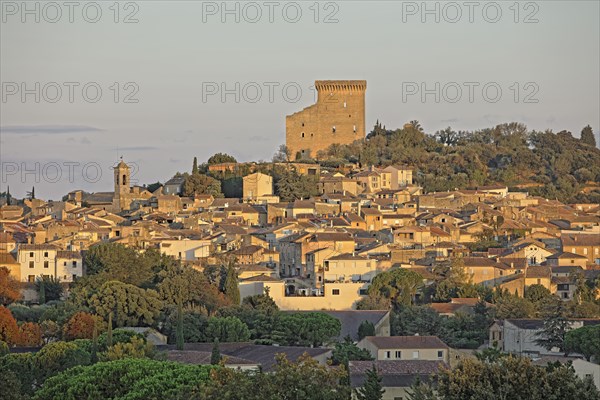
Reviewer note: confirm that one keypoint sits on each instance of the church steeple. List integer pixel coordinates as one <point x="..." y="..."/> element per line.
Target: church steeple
<point x="122" y="183"/>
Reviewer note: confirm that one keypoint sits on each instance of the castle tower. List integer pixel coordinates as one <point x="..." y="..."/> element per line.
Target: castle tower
<point x="337" y="117"/>
<point x="122" y="182"/>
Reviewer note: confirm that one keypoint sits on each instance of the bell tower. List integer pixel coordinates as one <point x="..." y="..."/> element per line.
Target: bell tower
<point x="122" y="176"/>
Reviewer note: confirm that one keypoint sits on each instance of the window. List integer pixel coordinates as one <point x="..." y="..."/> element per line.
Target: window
<point x="65" y="264"/>
<point x="362" y="292"/>
<point x="539" y="281"/>
<point x="585" y="252"/>
<point x="74" y="264"/>
<point x="74" y="276"/>
<point x="335" y="292"/>
<point x="45" y="254"/>
<point x="398" y="354"/>
<point x="302" y="134"/>
<point x="354" y="128"/>
<point x="440" y="353"/>
<point x="46" y="264"/>
<point x="388" y="354"/>
<point x="344" y="104"/>
<point x="31" y="278"/>
<point x="416" y="355"/>
<point x="333" y="129"/>
<point x="31" y="264"/>
<point x="31" y="254"/>
<point x="124" y="179"/>
<point x="596" y="251"/>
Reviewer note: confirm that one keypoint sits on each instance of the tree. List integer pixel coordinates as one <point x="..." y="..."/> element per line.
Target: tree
<point x="283" y="154"/>
<point x="399" y="285"/>
<point x="420" y="390"/>
<point x="59" y="356"/>
<point x="215" y="356"/>
<point x="80" y="326"/>
<point x="50" y="331"/>
<point x="30" y="335"/>
<point x="587" y="136"/>
<point x="10" y="288"/>
<point x="201" y="184"/>
<point x="220" y="158"/>
<point x="180" y="337"/>
<point x="347" y="351"/>
<point x="555" y="328"/>
<point x="511" y="378"/>
<point x="290" y="185"/>
<point x="584" y="341"/>
<point x="231" y="288"/>
<point x="9" y="331"/>
<point x="194" y="324"/>
<point x="195" y="167"/>
<point x="536" y="293"/>
<point x="137" y="347"/>
<point x="131" y="305"/>
<point x="372" y="388"/>
<point x="51" y="287"/>
<point x="308" y="328"/>
<point x="509" y="306"/>
<point x="135" y="379"/>
<point x="304" y="379"/>
<point x="228" y="329"/>
<point x="366" y="328"/>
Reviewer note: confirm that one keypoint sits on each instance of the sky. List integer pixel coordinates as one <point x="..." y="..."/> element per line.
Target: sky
<point x="159" y="82"/>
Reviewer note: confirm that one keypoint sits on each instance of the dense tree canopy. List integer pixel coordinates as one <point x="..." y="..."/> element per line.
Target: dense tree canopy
<point x="131" y="379"/>
<point x="551" y="165"/>
<point x="9" y="287"/>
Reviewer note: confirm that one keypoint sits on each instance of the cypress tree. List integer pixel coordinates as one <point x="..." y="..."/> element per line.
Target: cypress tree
<point x="95" y="342"/>
<point x="109" y="338"/>
<point x="371" y="389"/>
<point x="179" y="332"/>
<point x="195" y="167"/>
<point x="215" y="357"/>
<point x="231" y="288"/>
<point x="8" y="195"/>
<point x="587" y="136"/>
<point x="42" y="291"/>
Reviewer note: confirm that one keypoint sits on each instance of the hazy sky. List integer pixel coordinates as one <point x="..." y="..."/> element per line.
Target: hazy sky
<point x="175" y="60"/>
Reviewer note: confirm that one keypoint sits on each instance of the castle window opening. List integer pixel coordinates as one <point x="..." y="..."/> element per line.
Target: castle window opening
<point x="333" y="129"/>
<point x="302" y="134"/>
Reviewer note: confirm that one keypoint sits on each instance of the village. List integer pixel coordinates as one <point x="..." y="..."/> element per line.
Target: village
<point x="348" y="268"/>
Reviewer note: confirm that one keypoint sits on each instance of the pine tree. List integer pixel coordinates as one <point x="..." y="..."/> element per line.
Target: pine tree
<point x="109" y="338"/>
<point x="32" y="192"/>
<point x="420" y="391"/>
<point x="587" y="136"/>
<point x="555" y="327"/>
<point x="95" y="342"/>
<point x="8" y="195"/>
<point x="195" y="167"/>
<point x="179" y="332"/>
<point x="371" y="389"/>
<point x="215" y="356"/>
<point x="231" y="288"/>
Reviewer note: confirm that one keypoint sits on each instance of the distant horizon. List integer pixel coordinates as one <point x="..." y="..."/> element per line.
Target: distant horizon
<point x="172" y="80"/>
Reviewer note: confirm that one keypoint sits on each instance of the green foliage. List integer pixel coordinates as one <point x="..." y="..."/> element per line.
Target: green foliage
<point x="372" y="388"/>
<point x="512" y="378"/>
<point x="555" y="327"/>
<point x="366" y="328"/>
<point x="59" y="356"/>
<point x="136" y="348"/>
<point x="420" y="390"/>
<point x="201" y="184"/>
<point x="131" y="305"/>
<point x="290" y="185"/>
<point x="4" y="349"/>
<point x="587" y="136"/>
<point x="510" y="306"/>
<point x="536" y="293"/>
<point x="507" y="153"/>
<point x="309" y="328"/>
<point x="106" y="340"/>
<point x="220" y="158"/>
<point x="585" y="340"/>
<point x="459" y="331"/>
<point x="348" y="351"/>
<point x="194" y="324"/>
<point x="179" y="332"/>
<point x="231" y="289"/>
<point x="398" y="285"/>
<point x="23" y="313"/>
<point x="116" y="262"/>
<point x="304" y="379"/>
<point x="21" y="367"/>
<point x="227" y="329"/>
<point x="215" y="355"/>
<point x="127" y="379"/>
<point x="192" y="288"/>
